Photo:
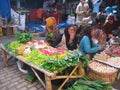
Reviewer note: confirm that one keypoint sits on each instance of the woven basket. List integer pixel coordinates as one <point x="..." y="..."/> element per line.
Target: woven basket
<point x="97" y="75"/>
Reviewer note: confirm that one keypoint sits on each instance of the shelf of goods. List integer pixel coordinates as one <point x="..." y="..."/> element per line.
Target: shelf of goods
<point x="49" y="75"/>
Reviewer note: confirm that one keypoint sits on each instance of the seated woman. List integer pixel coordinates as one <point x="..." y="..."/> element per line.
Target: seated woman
<point x="99" y="37"/>
<point x="111" y="24"/>
<point x="86" y="45"/>
<point x="68" y="40"/>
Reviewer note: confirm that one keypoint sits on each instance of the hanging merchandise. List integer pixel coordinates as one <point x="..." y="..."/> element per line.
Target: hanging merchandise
<point x="18" y="19"/>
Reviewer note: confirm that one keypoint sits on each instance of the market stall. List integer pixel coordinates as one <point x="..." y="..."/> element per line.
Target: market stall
<point x="107" y="64"/>
<point x="50" y="75"/>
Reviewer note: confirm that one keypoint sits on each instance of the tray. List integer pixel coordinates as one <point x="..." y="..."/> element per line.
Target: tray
<point x="108" y="63"/>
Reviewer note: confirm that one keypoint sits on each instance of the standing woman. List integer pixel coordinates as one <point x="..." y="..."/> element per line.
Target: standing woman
<point x="86" y="45"/>
<point x="82" y="10"/>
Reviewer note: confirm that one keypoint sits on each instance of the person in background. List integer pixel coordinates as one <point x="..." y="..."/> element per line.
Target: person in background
<point x="52" y="32"/>
<point x="111" y="24"/>
<point x="99" y="37"/>
<point x="114" y="37"/>
<point x="96" y="5"/>
<point x="86" y="45"/>
<point x="68" y="40"/>
<point x="39" y="14"/>
<point x="82" y="10"/>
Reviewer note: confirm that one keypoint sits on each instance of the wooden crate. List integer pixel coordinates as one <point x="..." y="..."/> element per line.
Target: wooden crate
<point x="8" y="31"/>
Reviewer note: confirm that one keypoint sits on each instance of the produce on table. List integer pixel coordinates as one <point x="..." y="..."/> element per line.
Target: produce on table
<point x="26" y="51"/>
<point x="116" y="52"/>
<point x="102" y="56"/>
<point x="71" y="59"/>
<point x="86" y="84"/>
<point x="102" y="68"/>
<point x="21" y="49"/>
<point x="113" y="50"/>
<point x="114" y="61"/>
<point x="38" y="58"/>
<point x="47" y="57"/>
<point x="24" y="37"/>
<point x="12" y="46"/>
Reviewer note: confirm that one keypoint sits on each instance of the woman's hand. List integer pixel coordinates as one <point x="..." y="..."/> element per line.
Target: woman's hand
<point x="102" y="48"/>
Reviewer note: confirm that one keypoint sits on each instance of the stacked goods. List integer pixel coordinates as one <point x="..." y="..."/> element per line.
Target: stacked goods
<point x="114" y="61"/>
<point x="102" y="56"/>
<point x="101" y="71"/>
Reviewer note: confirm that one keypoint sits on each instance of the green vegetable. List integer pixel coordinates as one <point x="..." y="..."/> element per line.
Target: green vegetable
<point x="23" y="37"/>
<point x="86" y="84"/>
<point x="50" y="36"/>
<point x="12" y="46"/>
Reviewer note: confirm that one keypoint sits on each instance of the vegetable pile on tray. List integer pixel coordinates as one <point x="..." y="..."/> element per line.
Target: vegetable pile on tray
<point x="86" y="84"/>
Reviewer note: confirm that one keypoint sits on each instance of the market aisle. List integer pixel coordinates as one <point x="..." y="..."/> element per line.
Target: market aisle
<point x="11" y="78"/>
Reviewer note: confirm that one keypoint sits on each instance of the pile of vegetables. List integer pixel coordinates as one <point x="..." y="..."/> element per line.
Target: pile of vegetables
<point x="53" y="62"/>
<point x="12" y="46"/>
<point x="38" y="58"/>
<point x="71" y="59"/>
<point x="23" y="37"/>
<point x="86" y="84"/>
<point x="51" y="59"/>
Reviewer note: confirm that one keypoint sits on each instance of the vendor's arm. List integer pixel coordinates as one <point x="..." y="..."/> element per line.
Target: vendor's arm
<point x="87" y="46"/>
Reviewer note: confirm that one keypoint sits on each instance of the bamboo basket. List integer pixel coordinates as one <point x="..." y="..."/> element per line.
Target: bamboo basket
<point x="97" y="75"/>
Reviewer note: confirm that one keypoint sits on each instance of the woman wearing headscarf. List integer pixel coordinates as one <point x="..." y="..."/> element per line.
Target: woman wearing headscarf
<point x="86" y="45"/>
<point x="110" y="24"/>
<point x="52" y="30"/>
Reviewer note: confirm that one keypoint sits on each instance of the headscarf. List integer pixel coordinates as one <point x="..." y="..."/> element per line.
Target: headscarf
<point x="50" y="21"/>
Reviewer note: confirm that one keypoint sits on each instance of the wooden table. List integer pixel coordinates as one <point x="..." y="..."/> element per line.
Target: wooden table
<point x="49" y="76"/>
